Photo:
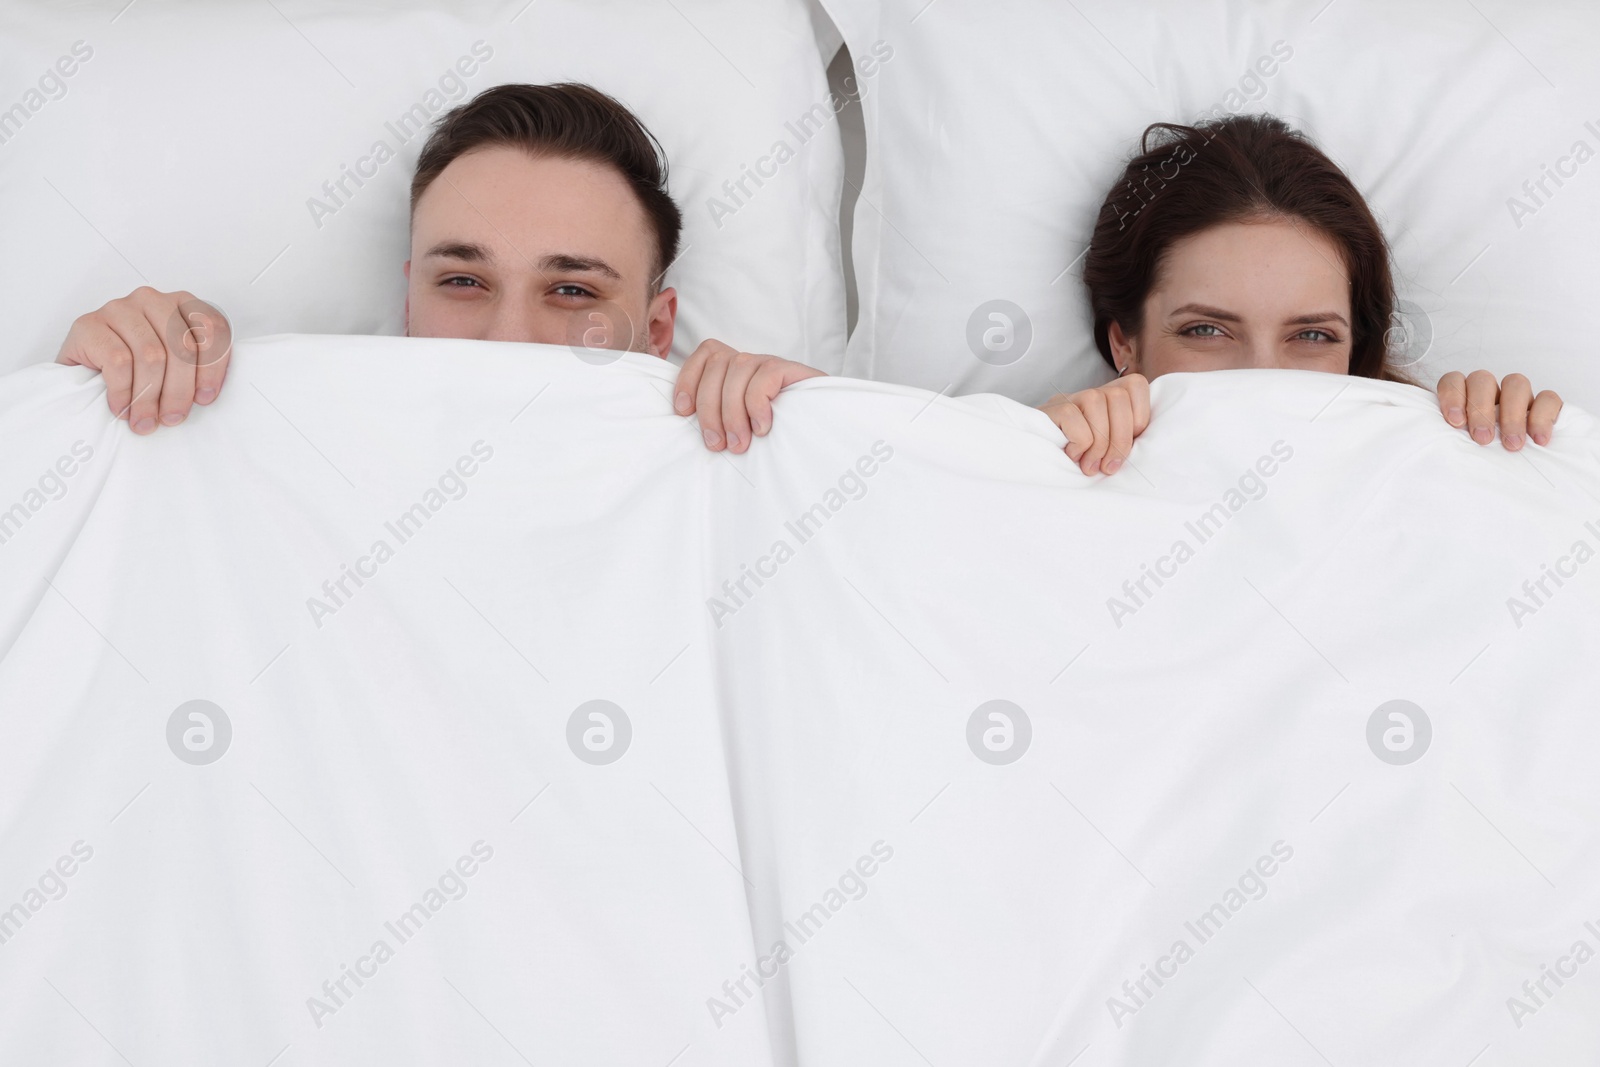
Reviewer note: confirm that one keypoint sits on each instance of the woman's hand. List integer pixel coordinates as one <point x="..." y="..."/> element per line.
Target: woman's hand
<point x="1469" y="401"/>
<point x="1100" y="424"/>
<point x="733" y="392"/>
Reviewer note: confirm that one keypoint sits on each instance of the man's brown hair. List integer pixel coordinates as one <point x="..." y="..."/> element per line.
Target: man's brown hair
<point x="569" y="121"/>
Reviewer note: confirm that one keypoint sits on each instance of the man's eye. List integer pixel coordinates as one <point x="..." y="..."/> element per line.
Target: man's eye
<point x="572" y="290"/>
<point x="462" y="279"/>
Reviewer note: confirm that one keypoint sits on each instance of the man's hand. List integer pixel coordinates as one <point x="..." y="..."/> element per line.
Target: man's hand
<point x="160" y="354"/>
<point x="1100" y="424"/>
<point x="1469" y="401"/>
<point x="732" y="392"/>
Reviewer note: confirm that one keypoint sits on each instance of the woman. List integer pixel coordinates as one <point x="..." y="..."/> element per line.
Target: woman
<point x="1237" y="243"/>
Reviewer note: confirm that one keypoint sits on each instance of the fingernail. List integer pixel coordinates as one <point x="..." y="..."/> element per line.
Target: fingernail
<point x="1541" y="439"/>
<point x="713" y="438"/>
<point x="1112" y="464"/>
<point x="761" y="427"/>
<point x="682" y="403"/>
<point x="1511" y="441"/>
<point x="1094" y="467"/>
<point x="172" y="418"/>
<point x="144" y="425"/>
<point x="733" y="441"/>
<point x="205" y="396"/>
<point x="1483" y="435"/>
<point x="1454" y="416"/>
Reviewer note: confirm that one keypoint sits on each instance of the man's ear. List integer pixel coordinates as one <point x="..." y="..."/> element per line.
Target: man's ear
<point x="1124" y="349"/>
<point x="406" y="270"/>
<point x="662" y="315"/>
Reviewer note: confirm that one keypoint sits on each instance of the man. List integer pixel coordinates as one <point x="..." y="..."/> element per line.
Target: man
<point x="539" y="213"/>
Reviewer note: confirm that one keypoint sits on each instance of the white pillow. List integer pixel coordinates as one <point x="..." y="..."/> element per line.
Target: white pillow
<point x="996" y="130"/>
<point x="190" y="142"/>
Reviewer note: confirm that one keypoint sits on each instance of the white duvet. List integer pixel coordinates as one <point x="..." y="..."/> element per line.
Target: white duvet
<point x="447" y="702"/>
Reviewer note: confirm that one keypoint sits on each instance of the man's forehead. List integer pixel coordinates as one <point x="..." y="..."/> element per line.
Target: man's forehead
<point x="505" y="191"/>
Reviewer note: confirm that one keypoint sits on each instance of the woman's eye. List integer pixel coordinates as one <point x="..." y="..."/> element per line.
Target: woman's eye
<point x="1204" y="329"/>
<point x="1319" y="336"/>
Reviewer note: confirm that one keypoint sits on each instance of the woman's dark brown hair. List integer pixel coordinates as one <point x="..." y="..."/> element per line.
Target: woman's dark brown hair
<point x="567" y="121"/>
<point x="1186" y="179"/>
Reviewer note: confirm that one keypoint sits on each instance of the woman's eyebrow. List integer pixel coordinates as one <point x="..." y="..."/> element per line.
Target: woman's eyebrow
<point x="1227" y="316"/>
<point x="1207" y="311"/>
<point x="1316" y="317"/>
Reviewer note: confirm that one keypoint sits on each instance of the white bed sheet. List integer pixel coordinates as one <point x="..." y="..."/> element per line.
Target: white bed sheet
<point x="801" y="743"/>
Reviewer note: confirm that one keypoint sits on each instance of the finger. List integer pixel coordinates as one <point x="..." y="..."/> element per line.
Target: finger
<point x="1074" y="427"/>
<point x="796" y="372"/>
<point x="1138" y="390"/>
<point x="214" y="335"/>
<point x="1482" y="392"/>
<point x="1119" y="410"/>
<point x="1453" y="398"/>
<point x="93" y="343"/>
<point x="149" y="363"/>
<point x="764" y="387"/>
<point x="1516" y="396"/>
<point x="1542" y="417"/>
<point x="1092" y="402"/>
<point x="708" y="398"/>
<point x="774" y="377"/>
<point x="735" y="411"/>
<point x="167" y="318"/>
<point x="688" y="385"/>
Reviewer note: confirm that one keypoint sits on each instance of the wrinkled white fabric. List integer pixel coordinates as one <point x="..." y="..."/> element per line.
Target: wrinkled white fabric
<point x="799" y="647"/>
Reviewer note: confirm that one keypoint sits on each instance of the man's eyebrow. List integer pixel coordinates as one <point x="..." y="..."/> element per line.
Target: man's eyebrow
<point x="463" y="250"/>
<point x="566" y="263"/>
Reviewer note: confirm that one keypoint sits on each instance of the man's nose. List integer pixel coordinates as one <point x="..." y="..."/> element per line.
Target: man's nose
<point x="516" y="320"/>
